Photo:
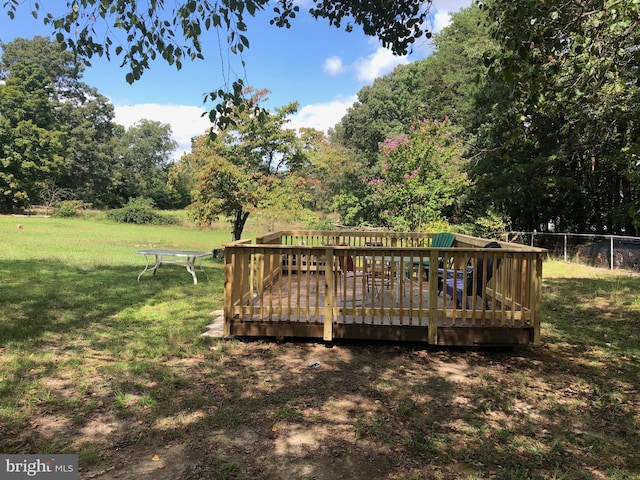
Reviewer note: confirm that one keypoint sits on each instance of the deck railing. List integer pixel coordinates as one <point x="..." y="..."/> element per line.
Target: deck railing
<point x="378" y="285"/>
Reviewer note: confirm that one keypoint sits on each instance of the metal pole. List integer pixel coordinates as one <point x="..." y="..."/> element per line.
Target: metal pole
<point x="611" y="252"/>
<point x="565" y="248"/>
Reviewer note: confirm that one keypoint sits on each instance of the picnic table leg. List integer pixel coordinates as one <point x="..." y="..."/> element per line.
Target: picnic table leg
<point x="200" y="269"/>
<point x="191" y="269"/>
<point x="158" y="263"/>
<point x="154" y="268"/>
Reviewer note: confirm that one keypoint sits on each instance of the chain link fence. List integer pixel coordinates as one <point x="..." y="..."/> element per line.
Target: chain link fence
<point x="606" y="251"/>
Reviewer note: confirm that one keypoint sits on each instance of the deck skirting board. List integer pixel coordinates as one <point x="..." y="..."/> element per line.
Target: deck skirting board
<point x="451" y="336"/>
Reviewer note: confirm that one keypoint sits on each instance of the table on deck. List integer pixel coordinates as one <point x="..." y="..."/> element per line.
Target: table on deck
<point x="188" y="258"/>
<point x="384" y="268"/>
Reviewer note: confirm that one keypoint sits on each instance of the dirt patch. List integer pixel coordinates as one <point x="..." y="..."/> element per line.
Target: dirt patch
<point x="454" y="371"/>
<point x="253" y="410"/>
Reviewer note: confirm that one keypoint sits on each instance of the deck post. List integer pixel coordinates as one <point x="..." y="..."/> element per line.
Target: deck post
<point x="433" y="297"/>
<point x="228" y="291"/>
<point x="536" y="299"/>
<point x="329" y="296"/>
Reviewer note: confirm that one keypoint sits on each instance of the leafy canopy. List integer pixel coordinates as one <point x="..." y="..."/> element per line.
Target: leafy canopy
<point x="173" y="31"/>
<point x="422" y="174"/>
<point x="243" y="167"/>
<point x="558" y="124"/>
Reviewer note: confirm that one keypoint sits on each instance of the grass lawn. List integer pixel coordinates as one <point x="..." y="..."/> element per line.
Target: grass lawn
<point x="95" y="363"/>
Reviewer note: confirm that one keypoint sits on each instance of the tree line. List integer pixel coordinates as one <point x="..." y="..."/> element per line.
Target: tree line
<point x="525" y="117"/>
<point x="544" y="97"/>
<point x="58" y="138"/>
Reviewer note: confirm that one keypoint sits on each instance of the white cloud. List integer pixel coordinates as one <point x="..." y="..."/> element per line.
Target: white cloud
<point x="186" y="121"/>
<point x="380" y="62"/>
<point x="333" y="65"/>
<point x="441" y="11"/>
<point x="441" y="19"/>
<point x="321" y="116"/>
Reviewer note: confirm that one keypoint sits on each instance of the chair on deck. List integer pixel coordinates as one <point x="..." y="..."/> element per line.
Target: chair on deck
<point x="439" y="240"/>
<point x="347" y="267"/>
<point x="472" y="279"/>
<point x="377" y="273"/>
<point x="347" y="270"/>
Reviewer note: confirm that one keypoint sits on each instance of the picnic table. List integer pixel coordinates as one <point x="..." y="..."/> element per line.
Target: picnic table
<point x="189" y="258"/>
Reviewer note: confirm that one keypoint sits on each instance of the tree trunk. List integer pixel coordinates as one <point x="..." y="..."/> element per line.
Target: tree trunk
<point x="238" y="224"/>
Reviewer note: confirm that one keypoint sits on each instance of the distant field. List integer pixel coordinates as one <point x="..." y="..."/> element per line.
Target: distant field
<point x="97" y="240"/>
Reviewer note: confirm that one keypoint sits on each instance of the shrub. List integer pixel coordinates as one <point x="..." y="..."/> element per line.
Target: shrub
<point x="421" y="176"/>
<point x="69" y="208"/>
<point x="326" y="223"/>
<point x="140" y="211"/>
<point x="491" y="225"/>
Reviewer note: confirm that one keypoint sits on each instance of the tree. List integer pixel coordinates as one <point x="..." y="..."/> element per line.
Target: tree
<point x="383" y="109"/>
<point x="329" y="170"/>
<point x="154" y="30"/>
<point x="455" y="73"/>
<point x="32" y="141"/>
<point x="143" y="154"/>
<point x="559" y="144"/>
<point x="244" y="166"/>
<point x="44" y="86"/>
<point x="51" y="195"/>
<point x="92" y="135"/>
<point x="422" y="175"/>
<point x="222" y="188"/>
<point x="443" y="84"/>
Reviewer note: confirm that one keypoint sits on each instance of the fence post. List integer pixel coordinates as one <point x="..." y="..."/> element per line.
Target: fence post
<point x="611" y="252"/>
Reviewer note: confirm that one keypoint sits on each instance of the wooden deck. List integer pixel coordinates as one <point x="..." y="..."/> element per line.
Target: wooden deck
<point x="302" y="291"/>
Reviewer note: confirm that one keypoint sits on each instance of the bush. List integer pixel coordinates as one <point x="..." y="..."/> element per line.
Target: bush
<point x="140" y="211"/>
<point x="491" y="225"/>
<point x="326" y="223"/>
<point x="69" y="208"/>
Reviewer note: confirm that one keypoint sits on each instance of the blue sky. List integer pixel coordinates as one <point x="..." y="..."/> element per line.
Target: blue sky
<point x="312" y="63"/>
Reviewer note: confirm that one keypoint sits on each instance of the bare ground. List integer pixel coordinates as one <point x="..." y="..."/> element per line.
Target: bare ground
<point x="259" y="409"/>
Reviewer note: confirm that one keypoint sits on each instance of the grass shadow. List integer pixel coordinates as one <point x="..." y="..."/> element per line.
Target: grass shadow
<point x="595" y="321"/>
<point x="98" y="364"/>
<point x="45" y="297"/>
